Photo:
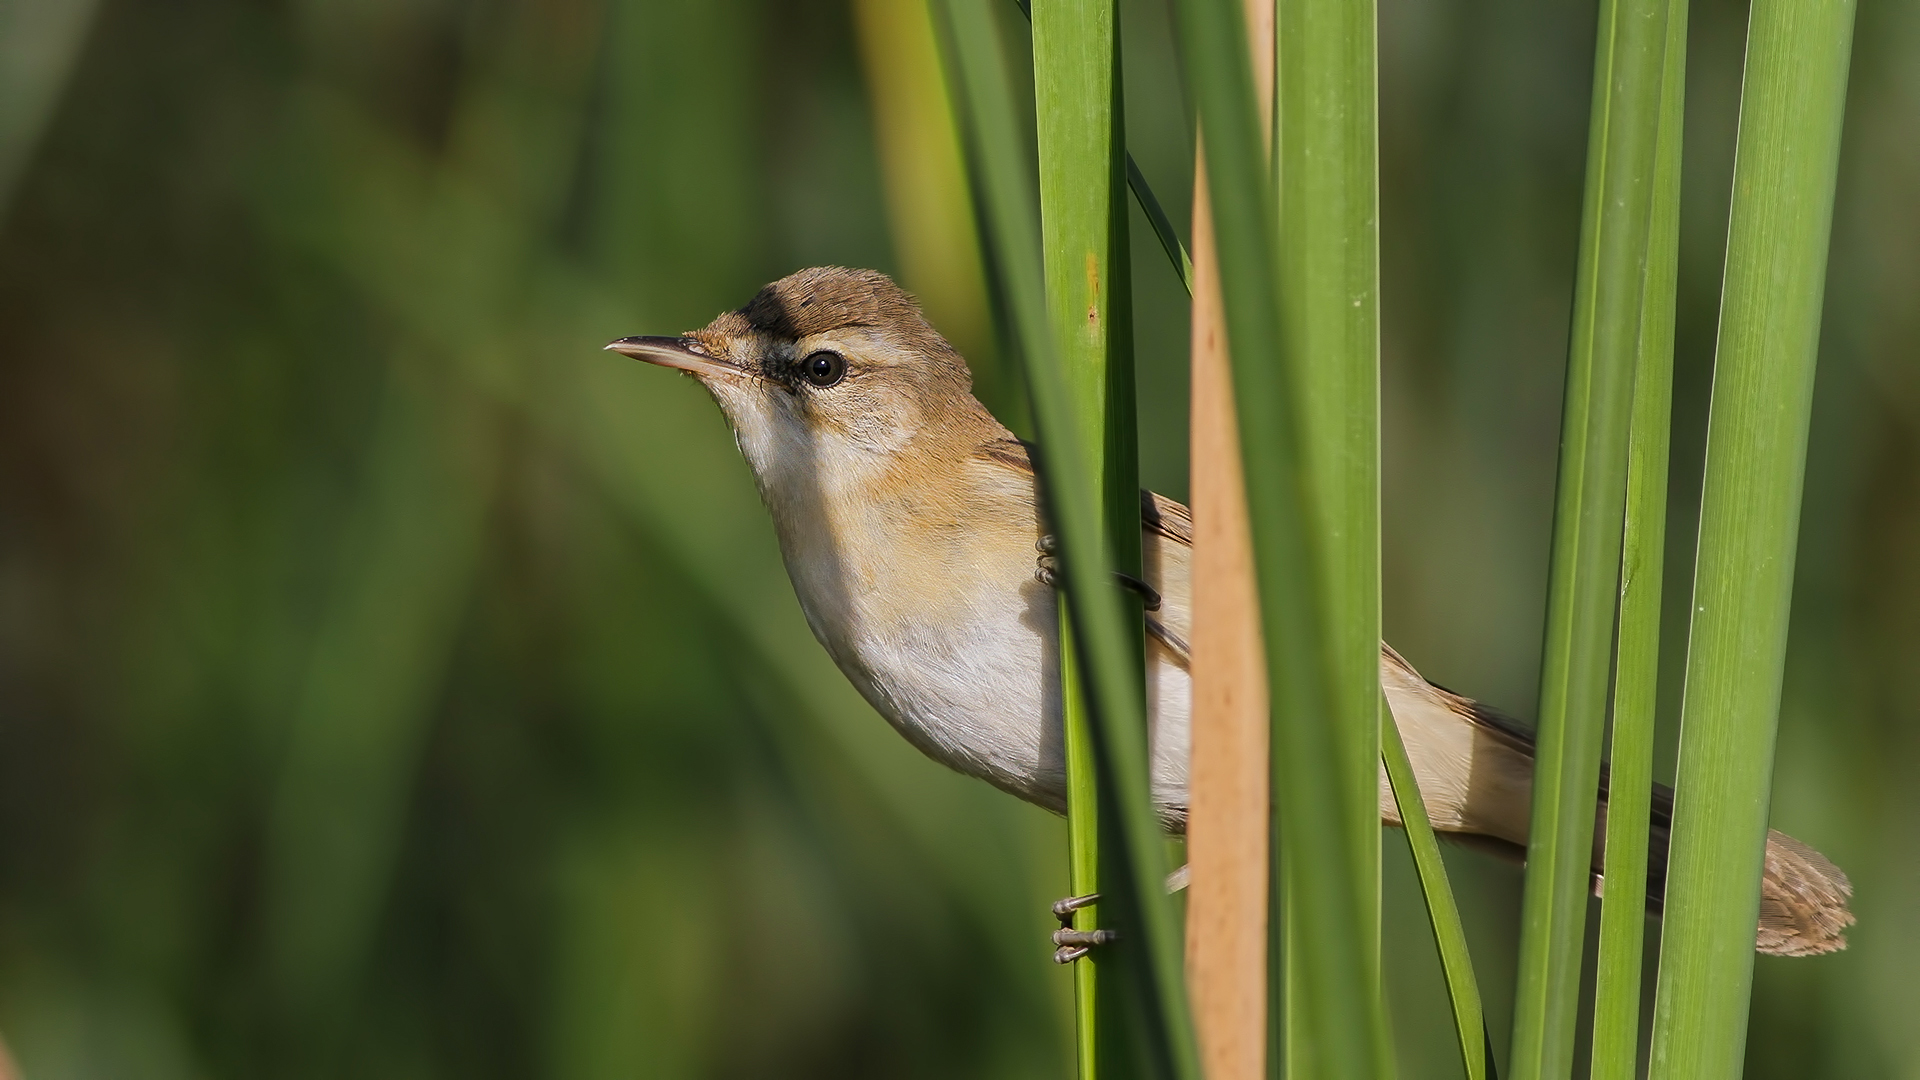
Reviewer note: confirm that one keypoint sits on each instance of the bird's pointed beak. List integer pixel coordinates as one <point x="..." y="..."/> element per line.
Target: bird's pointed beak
<point x="674" y="352"/>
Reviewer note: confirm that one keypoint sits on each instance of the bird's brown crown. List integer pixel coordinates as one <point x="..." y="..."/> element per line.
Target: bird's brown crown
<point x="820" y="300"/>
<point x="823" y="299"/>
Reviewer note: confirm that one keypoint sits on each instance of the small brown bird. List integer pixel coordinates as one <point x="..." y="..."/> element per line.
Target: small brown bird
<point x="908" y="519"/>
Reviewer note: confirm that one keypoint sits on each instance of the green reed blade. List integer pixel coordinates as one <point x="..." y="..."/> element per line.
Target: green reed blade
<point x="1316" y="787"/>
<point x="1782" y="209"/>
<point x="1149" y="202"/>
<point x="1623" y="912"/>
<point x="1072" y="489"/>
<point x="1083" y="225"/>
<point x="1590" y="500"/>
<point x="1442" y="912"/>
<point x="1162" y="225"/>
<point x="1326" y="116"/>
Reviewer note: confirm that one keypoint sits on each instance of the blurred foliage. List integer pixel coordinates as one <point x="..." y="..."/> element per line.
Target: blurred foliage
<point x="393" y="684"/>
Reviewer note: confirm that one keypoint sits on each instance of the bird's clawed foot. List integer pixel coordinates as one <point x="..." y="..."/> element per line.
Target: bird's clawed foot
<point x="1047" y="566"/>
<point x="1047" y="572"/>
<point x="1073" y="944"/>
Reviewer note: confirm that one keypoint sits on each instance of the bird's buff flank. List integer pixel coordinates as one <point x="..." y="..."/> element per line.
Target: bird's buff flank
<point x="908" y="520"/>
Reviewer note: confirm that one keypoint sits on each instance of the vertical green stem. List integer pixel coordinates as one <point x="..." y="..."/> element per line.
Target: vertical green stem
<point x="1083" y="851"/>
<point x="1329" y="846"/>
<point x="1328" y="292"/>
<point x="1083" y="226"/>
<point x="1623" y="917"/>
<point x="1442" y="913"/>
<point x="1162" y="225"/>
<point x="1783" y="180"/>
<point x="1105" y="622"/>
<point x="1629" y="63"/>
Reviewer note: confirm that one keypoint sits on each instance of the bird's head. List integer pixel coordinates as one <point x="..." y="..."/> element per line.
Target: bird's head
<point x="830" y="373"/>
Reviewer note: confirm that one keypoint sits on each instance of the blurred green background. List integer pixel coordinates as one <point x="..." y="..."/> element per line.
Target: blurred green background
<point x="392" y="684"/>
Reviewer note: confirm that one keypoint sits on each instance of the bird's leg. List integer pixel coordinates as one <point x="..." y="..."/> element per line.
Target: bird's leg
<point x="1047" y="572"/>
<point x="1149" y="596"/>
<point x="1074" y="944"/>
<point x="1070" y="944"/>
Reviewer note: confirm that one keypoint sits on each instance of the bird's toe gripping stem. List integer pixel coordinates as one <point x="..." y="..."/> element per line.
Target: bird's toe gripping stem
<point x="1047" y="566"/>
<point x="1073" y="944"/>
<point x="1047" y="572"/>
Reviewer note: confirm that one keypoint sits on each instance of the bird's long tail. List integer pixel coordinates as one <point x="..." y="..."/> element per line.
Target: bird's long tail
<point x="1803" y="896"/>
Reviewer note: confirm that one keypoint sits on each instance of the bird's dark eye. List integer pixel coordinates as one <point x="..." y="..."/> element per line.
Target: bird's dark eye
<point x="824" y="368"/>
